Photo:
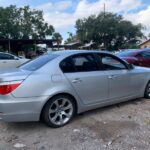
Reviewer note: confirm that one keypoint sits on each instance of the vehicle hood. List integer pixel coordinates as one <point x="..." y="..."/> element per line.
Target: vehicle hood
<point x="142" y="69"/>
<point x="13" y="74"/>
<point x="24" y="60"/>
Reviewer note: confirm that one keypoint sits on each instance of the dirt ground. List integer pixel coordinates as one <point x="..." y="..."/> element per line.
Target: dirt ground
<point x="125" y="126"/>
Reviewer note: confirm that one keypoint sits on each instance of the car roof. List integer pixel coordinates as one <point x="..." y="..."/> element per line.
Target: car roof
<point x="71" y="52"/>
<point x="146" y="49"/>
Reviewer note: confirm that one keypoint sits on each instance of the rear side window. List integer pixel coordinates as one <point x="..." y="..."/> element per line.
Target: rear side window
<point x="6" y="57"/>
<point x="85" y="62"/>
<point x="79" y="63"/>
<point x="38" y="62"/>
<point x="67" y="65"/>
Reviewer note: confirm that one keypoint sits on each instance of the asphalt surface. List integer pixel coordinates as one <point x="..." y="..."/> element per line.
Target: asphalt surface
<point x="125" y="126"/>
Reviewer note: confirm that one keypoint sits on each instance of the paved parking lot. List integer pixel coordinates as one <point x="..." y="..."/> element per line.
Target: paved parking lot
<point x="119" y="127"/>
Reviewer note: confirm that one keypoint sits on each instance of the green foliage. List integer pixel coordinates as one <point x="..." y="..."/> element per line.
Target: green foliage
<point x="108" y="29"/>
<point x="57" y="36"/>
<point x="23" y="23"/>
<point x="71" y="38"/>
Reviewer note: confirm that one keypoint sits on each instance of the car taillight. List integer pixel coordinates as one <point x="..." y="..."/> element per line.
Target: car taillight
<point x="8" y="87"/>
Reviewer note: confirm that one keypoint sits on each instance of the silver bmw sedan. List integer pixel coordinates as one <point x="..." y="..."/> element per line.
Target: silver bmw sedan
<point x="59" y="85"/>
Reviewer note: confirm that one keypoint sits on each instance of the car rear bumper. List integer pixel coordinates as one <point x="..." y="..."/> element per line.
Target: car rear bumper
<point x="22" y="109"/>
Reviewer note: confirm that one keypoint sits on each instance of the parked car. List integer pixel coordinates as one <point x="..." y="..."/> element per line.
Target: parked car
<point x="10" y="61"/>
<point x="136" y="57"/>
<point x="59" y="85"/>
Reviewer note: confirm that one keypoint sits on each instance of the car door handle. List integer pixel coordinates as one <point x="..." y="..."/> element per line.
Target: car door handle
<point x="112" y="76"/>
<point x="4" y="62"/>
<point x="77" y="80"/>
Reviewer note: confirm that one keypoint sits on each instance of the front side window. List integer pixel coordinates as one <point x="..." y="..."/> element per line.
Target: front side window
<point x="108" y="62"/>
<point x="144" y="55"/>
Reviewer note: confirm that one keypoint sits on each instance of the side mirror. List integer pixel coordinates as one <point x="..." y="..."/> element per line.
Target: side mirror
<point x="16" y="58"/>
<point x="130" y="66"/>
<point x="21" y="57"/>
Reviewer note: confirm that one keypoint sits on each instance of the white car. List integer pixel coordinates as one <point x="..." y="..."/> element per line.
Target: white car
<point x="10" y="61"/>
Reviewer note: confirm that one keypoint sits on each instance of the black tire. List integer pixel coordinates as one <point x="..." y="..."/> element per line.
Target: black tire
<point x="147" y="91"/>
<point x="48" y="117"/>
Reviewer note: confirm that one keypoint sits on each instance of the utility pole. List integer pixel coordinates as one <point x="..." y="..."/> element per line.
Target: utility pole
<point x="104" y="20"/>
<point x="104" y="9"/>
<point x="9" y="46"/>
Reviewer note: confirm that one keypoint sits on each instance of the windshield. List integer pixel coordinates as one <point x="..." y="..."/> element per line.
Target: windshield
<point x="126" y="54"/>
<point x="38" y="62"/>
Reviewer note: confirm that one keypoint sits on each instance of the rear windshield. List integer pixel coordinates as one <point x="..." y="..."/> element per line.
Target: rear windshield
<point x="38" y="62"/>
<point x="126" y="54"/>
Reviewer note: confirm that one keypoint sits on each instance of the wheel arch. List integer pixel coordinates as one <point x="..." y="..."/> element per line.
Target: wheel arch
<point x="146" y="87"/>
<point x="58" y="94"/>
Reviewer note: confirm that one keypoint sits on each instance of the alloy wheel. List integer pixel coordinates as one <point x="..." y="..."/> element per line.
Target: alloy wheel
<point x="60" y="111"/>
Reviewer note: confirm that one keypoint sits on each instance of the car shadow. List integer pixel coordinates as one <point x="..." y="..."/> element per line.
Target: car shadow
<point x="26" y="126"/>
<point x="110" y="107"/>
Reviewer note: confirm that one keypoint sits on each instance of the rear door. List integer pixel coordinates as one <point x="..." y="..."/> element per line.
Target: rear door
<point x="118" y="76"/>
<point x="88" y="81"/>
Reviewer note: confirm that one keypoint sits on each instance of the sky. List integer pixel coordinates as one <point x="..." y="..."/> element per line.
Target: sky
<point x="62" y="14"/>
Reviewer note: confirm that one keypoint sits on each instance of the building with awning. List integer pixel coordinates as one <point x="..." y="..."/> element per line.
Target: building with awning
<point x="73" y="45"/>
<point x="15" y="45"/>
<point x="89" y="45"/>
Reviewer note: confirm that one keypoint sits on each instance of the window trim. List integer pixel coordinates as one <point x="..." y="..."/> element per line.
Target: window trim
<point x="95" y="56"/>
<point x="79" y="54"/>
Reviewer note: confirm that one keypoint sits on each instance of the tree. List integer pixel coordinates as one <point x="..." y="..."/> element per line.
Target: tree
<point x="71" y="38"/>
<point x="148" y="35"/>
<point x="57" y="36"/>
<point x="23" y="23"/>
<point x="108" y="29"/>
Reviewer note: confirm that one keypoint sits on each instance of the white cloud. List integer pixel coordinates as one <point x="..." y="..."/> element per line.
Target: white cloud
<point x="59" y="6"/>
<point x="56" y="15"/>
<point x="141" y="17"/>
<point x="59" y="19"/>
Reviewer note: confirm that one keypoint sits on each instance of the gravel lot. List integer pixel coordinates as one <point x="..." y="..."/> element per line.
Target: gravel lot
<point x="119" y="127"/>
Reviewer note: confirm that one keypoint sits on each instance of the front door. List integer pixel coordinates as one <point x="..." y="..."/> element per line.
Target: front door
<point x="118" y="75"/>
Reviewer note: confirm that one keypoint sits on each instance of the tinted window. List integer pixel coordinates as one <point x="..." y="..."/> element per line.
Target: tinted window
<point x="67" y="65"/>
<point x="108" y="62"/>
<point x="145" y="54"/>
<point x="6" y="56"/>
<point x="84" y="63"/>
<point x="38" y="62"/>
<point x="79" y="63"/>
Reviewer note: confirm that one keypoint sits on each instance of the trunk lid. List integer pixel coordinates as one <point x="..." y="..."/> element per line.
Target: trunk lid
<point x="13" y="74"/>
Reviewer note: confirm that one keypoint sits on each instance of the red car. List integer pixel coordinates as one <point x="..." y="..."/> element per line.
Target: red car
<point x="139" y="57"/>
